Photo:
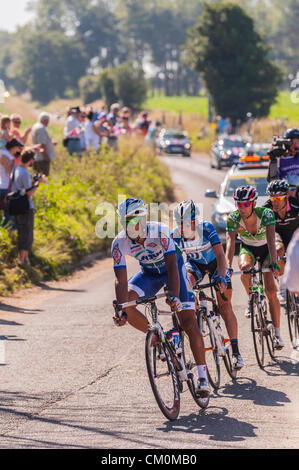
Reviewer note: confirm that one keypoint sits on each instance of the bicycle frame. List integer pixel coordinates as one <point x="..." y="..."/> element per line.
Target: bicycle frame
<point x="155" y="325"/>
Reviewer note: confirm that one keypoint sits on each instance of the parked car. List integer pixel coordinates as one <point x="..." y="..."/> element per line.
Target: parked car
<point x="172" y="141"/>
<point x="239" y="175"/>
<point x="226" y="150"/>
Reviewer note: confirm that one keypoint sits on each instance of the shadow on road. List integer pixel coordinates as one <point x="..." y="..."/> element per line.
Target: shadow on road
<point x="247" y="389"/>
<point x="44" y="286"/>
<point x="213" y="422"/>
<point x="11" y="308"/>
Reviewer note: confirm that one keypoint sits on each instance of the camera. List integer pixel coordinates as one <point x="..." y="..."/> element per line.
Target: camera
<point x="37" y="177"/>
<point x="280" y="147"/>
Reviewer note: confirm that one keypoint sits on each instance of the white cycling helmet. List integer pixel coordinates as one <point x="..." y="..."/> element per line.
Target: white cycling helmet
<point x="184" y="211"/>
<point x="131" y="207"/>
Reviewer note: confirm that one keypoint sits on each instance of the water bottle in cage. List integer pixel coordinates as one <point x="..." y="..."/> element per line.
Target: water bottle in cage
<point x="173" y="336"/>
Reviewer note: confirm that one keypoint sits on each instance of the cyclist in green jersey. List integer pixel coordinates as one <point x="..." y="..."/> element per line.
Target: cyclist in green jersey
<point x="255" y="227"/>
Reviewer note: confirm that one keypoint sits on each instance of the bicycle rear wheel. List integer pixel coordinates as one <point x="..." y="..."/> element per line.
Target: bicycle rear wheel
<point x="191" y="369"/>
<point x="257" y="329"/>
<point x="293" y="319"/>
<point x="211" y="351"/>
<point x="163" y="377"/>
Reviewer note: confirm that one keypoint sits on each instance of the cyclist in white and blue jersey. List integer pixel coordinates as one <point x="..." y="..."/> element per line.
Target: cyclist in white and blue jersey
<point x="161" y="263"/>
<point x="207" y="258"/>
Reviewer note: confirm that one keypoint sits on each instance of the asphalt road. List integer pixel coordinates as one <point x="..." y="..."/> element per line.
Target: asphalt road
<point x="70" y="379"/>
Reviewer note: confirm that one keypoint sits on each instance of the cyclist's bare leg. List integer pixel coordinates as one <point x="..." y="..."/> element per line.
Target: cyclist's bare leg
<point x="189" y="324"/>
<point x="227" y="313"/>
<point x="135" y="317"/>
<point x="271" y="293"/>
<point x="246" y="262"/>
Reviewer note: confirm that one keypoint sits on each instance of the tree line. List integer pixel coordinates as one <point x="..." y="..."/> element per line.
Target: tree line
<point x="87" y="45"/>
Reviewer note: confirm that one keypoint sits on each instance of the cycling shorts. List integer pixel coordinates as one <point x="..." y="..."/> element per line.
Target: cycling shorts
<point x="199" y="270"/>
<point x="256" y="251"/>
<point x="147" y="284"/>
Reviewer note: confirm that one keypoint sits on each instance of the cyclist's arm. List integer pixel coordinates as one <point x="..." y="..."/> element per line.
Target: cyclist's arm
<point x="173" y="274"/>
<point x="221" y="260"/>
<point x="121" y="285"/>
<point x="230" y="247"/>
<point x="270" y="234"/>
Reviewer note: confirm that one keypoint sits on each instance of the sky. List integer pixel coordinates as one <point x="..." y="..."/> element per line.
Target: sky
<point x="12" y="14"/>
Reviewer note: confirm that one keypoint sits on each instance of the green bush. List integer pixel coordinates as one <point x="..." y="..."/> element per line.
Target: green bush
<point x="65" y="209"/>
<point x="90" y="88"/>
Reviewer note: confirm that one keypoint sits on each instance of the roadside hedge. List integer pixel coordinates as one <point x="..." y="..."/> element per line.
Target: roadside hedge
<point x="65" y="215"/>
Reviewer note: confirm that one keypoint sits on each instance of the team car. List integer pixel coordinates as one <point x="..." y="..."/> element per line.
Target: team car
<point x="173" y="141"/>
<point x="250" y="171"/>
<point x="226" y="150"/>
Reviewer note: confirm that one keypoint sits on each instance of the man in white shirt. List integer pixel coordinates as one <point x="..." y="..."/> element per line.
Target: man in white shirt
<point x="41" y="137"/>
<point x="72" y="131"/>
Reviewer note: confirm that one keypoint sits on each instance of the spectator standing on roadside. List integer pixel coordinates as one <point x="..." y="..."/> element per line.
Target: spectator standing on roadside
<point x="41" y="137"/>
<point x="7" y="162"/>
<point x="16" y="121"/>
<point x="21" y="180"/>
<point x="6" y="136"/>
<point x="152" y="134"/>
<point x="82" y="119"/>
<point x="73" y="130"/>
<point x="142" y="123"/>
<point x="124" y="126"/>
<point x="91" y="136"/>
<point x="113" y="119"/>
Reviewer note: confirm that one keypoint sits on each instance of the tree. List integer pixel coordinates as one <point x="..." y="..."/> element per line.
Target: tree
<point x="130" y="85"/>
<point x="51" y="64"/>
<point x="106" y="80"/>
<point x="90" y="88"/>
<point x="233" y="59"/>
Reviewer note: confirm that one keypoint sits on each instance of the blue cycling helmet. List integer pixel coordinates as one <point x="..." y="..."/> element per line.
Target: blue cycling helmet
<point x="131" y="207"/>
<point x="185" y="210"/>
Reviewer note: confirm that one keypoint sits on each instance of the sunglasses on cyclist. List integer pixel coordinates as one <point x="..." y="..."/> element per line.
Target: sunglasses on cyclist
<point x="277" y="198"/>
<point x="134" y="221"/>
<point x="292" y="188"/>
<point x="244" y="204"/>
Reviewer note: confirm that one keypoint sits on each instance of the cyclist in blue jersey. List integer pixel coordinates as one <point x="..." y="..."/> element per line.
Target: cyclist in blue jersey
<point x="207" y="258"/>
<point x="161" y="263"/>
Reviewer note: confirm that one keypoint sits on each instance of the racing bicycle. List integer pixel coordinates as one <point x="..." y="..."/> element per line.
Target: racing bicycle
<point x="261" y="327"/>
<point x="216" y="345"/>
<point x="168" y="370"/>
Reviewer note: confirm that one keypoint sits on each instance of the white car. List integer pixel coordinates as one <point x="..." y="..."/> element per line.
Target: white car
<point x="237" y="176"/>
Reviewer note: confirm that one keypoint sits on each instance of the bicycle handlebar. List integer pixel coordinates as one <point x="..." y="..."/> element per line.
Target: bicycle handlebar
<point x="253" y="271"/>
<point x="206" y="286"/>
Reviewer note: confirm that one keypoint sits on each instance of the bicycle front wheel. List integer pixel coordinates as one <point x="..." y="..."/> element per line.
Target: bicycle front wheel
<point x="257" y="329"/>
<point x="162" y="375"/>
<point x="293" y="319"/>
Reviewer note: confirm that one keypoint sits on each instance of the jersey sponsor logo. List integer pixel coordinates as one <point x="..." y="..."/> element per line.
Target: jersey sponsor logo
<point x="152" y="245"/>
<point x="116" y="254"/>
<point x="165" y="243"/>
